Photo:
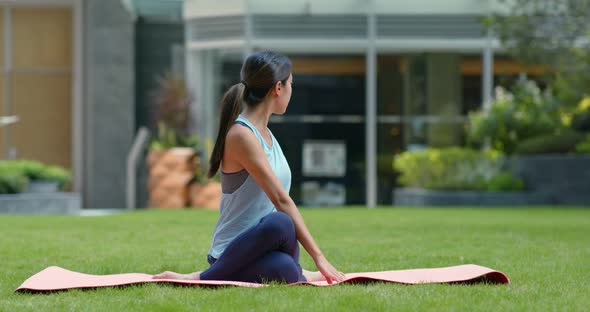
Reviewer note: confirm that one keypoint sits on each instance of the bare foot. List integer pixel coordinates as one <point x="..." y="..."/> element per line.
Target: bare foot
<point x="313" y="276"/>
<point x="173" y="275"/>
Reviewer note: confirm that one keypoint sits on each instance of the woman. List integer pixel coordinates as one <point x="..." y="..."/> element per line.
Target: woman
<point x="256" y="236"/>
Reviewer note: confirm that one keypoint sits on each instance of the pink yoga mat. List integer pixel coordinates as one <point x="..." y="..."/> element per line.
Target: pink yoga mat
<point x="56" y="278"/>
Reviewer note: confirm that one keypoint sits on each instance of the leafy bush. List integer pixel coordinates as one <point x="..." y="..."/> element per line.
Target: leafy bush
<point x="58" y="174"/>
<point x="580" y="118"/>
<point x="561" y="143"/>
<point x="166" y="138"/>
<point x="12" y="181"/>
<point x="584" y="146"/>
<point x="13" y="171"/>
<point x="454" y="169"/>
<point x="31" y="169"/>
<point x="515" y="116"/>
<point x="505" y="181"/>
<point x="581" y="122"/>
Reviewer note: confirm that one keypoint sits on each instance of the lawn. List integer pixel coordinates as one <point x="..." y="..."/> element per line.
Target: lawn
<point x="544" y="251"/>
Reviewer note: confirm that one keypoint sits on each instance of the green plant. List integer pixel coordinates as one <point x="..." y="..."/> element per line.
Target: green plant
<point x="505" y="181"/>
<point x="173" y="102"/>
<point x="552" y="33"/>
<point x="449" y="168"/>
<point x="166" y="138"/>
<point x="12" y="180"/>
<point x="584" y="146"/>
<point x="31" y="170"/>
<point x="57" y="174"/>
<point x="580" y="116"/>
<point x="560" y="143"/>
<point x="581" y="122"/>
<point x="515" y="116"/>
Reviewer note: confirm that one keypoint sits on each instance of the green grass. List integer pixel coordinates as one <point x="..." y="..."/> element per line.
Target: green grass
<point x="545" y="252"/>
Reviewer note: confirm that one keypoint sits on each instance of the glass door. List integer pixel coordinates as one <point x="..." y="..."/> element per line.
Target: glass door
<point x="323" y="132"/>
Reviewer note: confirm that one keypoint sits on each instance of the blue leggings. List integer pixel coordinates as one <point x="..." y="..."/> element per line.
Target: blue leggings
<point x="268" y="251"/>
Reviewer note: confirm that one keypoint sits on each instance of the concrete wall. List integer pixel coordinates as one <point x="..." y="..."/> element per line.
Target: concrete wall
<point x="109" y="99"/>
<point x="565" y="179"/>
<point x="40" y="203"/>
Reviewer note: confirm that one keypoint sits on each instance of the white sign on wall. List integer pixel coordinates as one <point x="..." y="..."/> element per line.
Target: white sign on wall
<point x="327" y="194"/>
<point x="324" y="158"/>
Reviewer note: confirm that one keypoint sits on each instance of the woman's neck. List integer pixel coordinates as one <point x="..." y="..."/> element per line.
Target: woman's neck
<point x="258" y="116"/>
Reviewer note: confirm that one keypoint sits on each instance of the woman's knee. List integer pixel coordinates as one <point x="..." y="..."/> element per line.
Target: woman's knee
<point x="282" y="267"/>
<point x="279" y="224"/>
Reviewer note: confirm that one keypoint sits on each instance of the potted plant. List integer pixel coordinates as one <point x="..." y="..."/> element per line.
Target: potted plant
<point x="206" y="193"/>
<point x="175" y="175"/>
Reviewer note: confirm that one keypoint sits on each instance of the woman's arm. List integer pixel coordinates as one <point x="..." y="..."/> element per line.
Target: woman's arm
<point x="243" y="147"/>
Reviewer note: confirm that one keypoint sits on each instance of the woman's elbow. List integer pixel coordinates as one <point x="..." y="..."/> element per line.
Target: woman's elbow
<point x="283" y="202"/>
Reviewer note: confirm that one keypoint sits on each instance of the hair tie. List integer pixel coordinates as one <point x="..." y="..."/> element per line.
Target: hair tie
<point x="244" y="83"/>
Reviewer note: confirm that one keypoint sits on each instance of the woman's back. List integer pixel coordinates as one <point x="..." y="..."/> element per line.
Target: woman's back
<point x="243" y="202"/>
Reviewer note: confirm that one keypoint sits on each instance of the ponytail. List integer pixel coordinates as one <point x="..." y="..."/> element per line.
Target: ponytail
<point x="231" y="106"/>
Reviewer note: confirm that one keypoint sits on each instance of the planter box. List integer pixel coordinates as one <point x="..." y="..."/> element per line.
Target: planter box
<point x="40" y="203"/>
<point x="170" y="174"/>
<point x="564" y="178"/>
<point x="39" y="186"/>
<point x="206" y="196"/>
<point x="423" y="197"/>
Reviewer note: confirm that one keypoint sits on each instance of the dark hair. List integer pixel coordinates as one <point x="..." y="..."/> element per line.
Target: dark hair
<point x="260" y="72"/>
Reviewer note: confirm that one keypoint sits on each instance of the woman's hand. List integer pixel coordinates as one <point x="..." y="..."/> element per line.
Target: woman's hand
<point x="332" y="275"/>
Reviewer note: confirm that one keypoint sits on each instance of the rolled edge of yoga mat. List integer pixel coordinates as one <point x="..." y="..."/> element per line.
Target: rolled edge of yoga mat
<point x="454" y="274"/>
<point x="55" y="278"/>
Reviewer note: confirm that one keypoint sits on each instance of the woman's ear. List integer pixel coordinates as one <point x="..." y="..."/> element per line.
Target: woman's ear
<point x="277" y="88"/>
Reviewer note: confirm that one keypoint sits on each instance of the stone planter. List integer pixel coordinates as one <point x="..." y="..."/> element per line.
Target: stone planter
<point x="565" y="179"/>
<point x="40" y="203"/>
<point x="423" y="197"/>
<point x="206" y="195"/>
<point x="170" y="173"/>
<point x="42" y="186"/>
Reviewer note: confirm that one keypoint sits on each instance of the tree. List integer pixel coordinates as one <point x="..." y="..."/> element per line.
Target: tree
<point x="555" y="33"/>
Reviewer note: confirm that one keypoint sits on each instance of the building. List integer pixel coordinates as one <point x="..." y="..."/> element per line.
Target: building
<point x="76" y="73"/>
<point x="371" y="79"/>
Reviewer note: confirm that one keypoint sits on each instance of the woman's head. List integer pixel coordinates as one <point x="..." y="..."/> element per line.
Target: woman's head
<point x="265" y="75"/>
<point x="265" y="78"/>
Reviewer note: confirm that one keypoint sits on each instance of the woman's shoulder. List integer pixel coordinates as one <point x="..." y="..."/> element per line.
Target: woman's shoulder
<point x="239" y="133"/>
<point x="238" y="130"/>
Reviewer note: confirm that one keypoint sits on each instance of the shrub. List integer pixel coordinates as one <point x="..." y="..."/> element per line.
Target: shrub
<point x="505" y="181"/>
<point x="581" y="122"/>
<point x="561" y="143"/>
<point x="14" y="170"/>
<point x="12" y="181"/>
<point x="58" y="174"/>
<point x="584" y="146"/>
<point x="515" y="116"/>
<point x="31" y="169"/>
<point x="167" y="137"/>
<point x="580" y="118"/>
<point x="452" y="169"/>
